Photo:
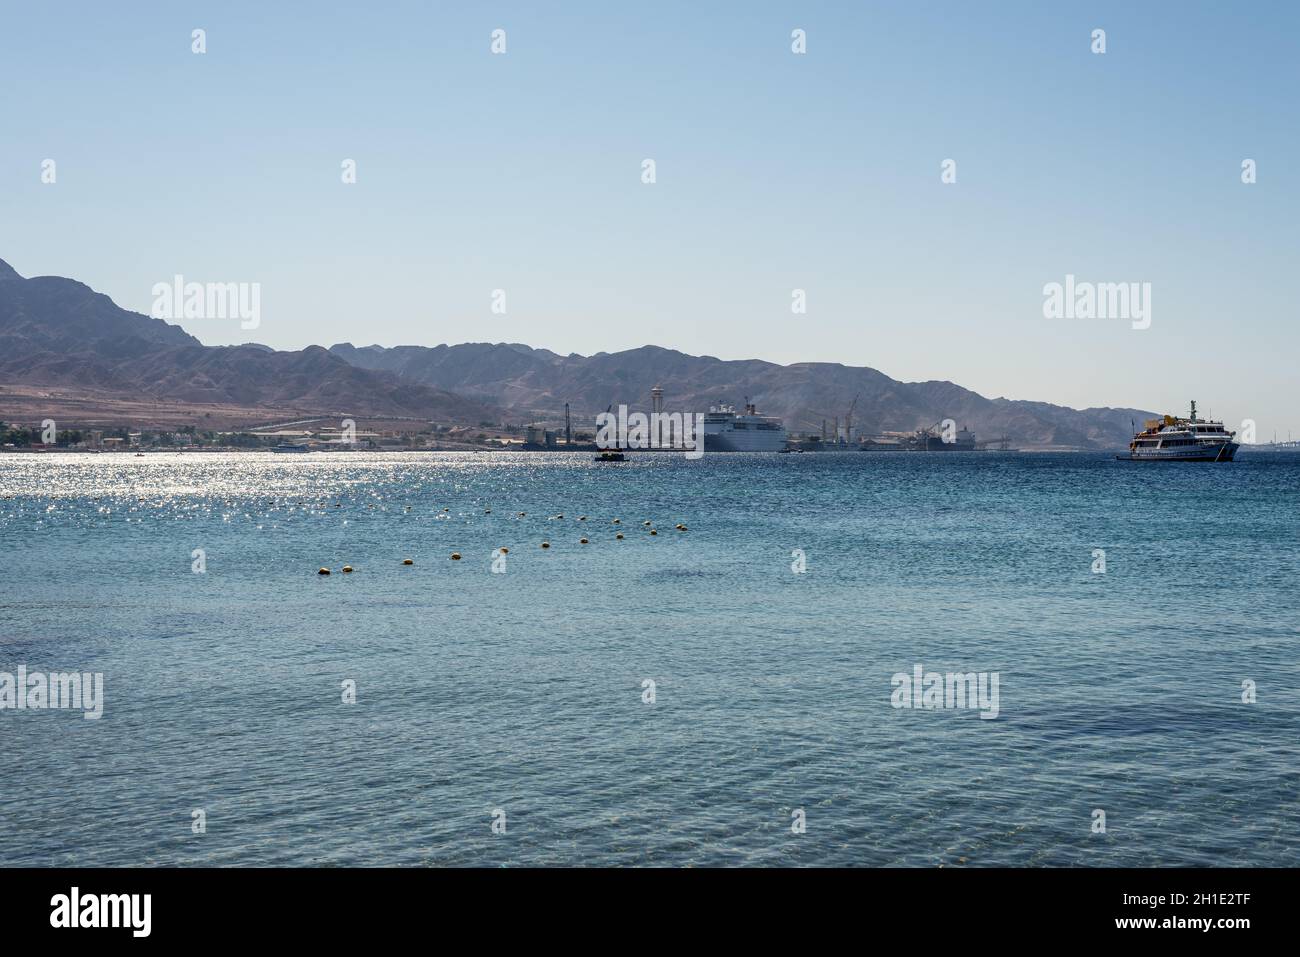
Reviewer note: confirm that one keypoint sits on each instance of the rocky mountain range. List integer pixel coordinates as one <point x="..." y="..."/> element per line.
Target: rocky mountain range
<point x="58" y="334"/>
<point x="59" y="337"/>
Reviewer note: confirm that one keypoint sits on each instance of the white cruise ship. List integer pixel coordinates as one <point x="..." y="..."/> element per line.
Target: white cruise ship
<point x="726" y="430"/>
<point x="1174" y="439"/>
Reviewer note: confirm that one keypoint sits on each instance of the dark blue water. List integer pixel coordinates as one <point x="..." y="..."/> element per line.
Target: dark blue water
<point x="522" y="691"/>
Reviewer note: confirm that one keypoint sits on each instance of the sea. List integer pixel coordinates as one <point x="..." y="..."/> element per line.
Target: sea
<point x="732" y="692"/>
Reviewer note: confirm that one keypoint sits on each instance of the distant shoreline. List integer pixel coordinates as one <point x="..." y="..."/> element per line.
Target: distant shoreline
<point x="132" y="453"/>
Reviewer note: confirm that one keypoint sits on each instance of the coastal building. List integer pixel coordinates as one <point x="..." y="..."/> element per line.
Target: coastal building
<point x="538" y="437"/>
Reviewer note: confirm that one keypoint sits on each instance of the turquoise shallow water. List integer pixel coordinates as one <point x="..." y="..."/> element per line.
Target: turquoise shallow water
<point x="523" y="691"/>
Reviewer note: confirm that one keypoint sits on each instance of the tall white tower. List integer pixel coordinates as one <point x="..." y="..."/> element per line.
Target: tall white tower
<point x="657" y="406"/>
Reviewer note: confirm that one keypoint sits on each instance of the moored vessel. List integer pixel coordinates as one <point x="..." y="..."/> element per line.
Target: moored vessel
<point x="939" y="438"/>
<point x="726" y="430"/>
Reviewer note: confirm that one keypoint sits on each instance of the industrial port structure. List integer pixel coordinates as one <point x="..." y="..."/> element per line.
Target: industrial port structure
<point x="543" y="437"/>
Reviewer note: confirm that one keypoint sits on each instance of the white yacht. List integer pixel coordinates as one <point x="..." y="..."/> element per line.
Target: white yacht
<point x="726" y="430"/>
<point x="1175" y="439"/>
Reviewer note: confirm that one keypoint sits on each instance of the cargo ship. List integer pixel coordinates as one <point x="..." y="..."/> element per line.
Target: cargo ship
<point x="1175" y="439"/>
<point x="933" y="440"/>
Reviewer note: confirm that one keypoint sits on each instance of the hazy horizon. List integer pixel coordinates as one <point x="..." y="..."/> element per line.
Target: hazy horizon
<point x="775" y="171"/>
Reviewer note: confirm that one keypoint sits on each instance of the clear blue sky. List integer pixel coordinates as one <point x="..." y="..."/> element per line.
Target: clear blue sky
<point x="775" y="172"/>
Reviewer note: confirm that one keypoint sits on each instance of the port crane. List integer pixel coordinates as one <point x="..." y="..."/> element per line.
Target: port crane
<point x="848" y="420"/>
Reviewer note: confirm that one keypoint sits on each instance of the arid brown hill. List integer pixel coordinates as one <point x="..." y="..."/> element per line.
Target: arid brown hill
<point x="60" y="334"/>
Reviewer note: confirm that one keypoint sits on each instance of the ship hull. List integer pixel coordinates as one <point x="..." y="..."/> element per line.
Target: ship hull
<point x="751" y="441"/>
<point x="1218" y="453"/>
<point x="934" y="443"/>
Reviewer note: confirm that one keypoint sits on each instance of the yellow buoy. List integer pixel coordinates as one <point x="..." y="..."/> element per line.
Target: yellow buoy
<point x="546" y="544"/>
<point x="645" y="522"/>
<point x="407" y="561"/>
<point x="617" y="522"/>
<point x="347" y="569"/>
<point x="323" y="571"/>
<point x="582" y="518"/>
<point x="522" y="514"/>
<point x="487" y="511"/>
<point x="654" y="531"/>
<point x="455" y="556"/>
<point x="619" y="535"/>
<point x="504" y="550"/>
<point x="582" y="541"/>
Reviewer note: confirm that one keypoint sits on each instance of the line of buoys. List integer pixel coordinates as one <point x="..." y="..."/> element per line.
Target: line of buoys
<point x="456" y="556"/>
<point x="347" y="569"/>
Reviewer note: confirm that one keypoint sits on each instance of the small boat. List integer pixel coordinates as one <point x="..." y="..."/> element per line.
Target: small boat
<point x="1175" y="439"/>
<point x="610" y="455"/>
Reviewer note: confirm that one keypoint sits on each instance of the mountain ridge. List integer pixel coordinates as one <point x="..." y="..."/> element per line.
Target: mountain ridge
<point x="537" y="383"/>
<point x="58" y="333"/>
